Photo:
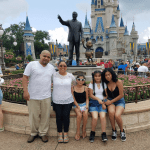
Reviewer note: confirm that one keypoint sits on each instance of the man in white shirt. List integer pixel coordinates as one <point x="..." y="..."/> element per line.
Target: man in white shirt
<point x="142" y="70"/>
<point x="38" y="95"/>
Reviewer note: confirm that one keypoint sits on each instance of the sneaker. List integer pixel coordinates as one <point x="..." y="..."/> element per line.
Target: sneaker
<point x="114" y="135"/>
<point x="1" y="129"/>
<point x="92" y="136"/>
<point x="123" y="136"/>
<point x="104" y="137"/>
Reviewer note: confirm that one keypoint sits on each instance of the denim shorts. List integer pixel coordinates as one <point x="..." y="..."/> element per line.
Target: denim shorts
<point x="81" y="105"/>
<point x="1" y="96"/>
<point x="120" y="102"/>
<point x="97" y="108"/>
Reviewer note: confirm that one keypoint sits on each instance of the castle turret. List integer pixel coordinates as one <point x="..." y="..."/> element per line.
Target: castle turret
<point x="126" y="41"/>
<point x="121" y="28"/>
<point x="92" y="13"/>
<point x="134" y="36"/>
<point x="113" y="38"/>
<point x="28" y="38"/>
<point x="109" y="12"/>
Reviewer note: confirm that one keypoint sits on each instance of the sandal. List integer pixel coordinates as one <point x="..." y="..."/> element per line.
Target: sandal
<point x="1" y="129"/>
<point x="77" y="137"/>
<point x="60" y="139"/>
<point x="66" y="139"/>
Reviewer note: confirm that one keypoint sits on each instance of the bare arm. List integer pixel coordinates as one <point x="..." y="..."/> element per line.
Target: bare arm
<point x="25" y="88"/>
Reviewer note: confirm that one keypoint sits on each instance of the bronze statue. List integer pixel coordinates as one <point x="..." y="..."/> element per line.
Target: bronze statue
<point x="75" y="30"/>
<point x="89" y="52"/>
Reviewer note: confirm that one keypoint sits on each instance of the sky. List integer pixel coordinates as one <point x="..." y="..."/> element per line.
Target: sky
<point x="43" y="15"/>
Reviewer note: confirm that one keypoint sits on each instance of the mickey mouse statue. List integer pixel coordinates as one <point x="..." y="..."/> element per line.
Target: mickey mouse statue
<point x="89" y="52"/>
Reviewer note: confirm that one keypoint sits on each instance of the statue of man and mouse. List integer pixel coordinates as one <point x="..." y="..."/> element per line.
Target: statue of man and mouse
<point x="75" y="31"/>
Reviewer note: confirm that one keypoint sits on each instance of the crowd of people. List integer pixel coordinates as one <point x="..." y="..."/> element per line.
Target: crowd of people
<point x="105" y="92"/>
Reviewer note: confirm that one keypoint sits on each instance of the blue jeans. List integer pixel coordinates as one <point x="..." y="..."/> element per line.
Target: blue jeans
<point x="120" y="102"/>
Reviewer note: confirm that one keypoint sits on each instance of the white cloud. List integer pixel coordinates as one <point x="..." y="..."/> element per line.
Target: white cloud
<point x="11" y="9"/>
<point x="33" y="29"/>
<point x="60" y="34"/>
<point x="143" y="37"/>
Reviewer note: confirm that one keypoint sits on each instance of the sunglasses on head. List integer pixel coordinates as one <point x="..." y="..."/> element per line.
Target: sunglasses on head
<point x="63" y="66"/>
<point x="80" y="79"/>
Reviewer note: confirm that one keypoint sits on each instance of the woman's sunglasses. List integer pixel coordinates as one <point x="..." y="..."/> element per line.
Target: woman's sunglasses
<point x="80" y="79"/>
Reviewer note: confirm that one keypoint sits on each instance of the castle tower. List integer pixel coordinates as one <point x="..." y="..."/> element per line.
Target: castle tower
<point x="134" y="36"/>
<point x="126" y="41"/>
<point x="28" y="37"/>
<point x="121" y="28"/>
<point x="86" y="28"/>
<point x="93" y="13"/>
<point x="113" y="38"/>
<point x="109" y="13"/>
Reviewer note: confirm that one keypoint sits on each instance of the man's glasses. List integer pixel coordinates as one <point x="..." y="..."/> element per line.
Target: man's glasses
<point x="62" y="66"/>
<point x="80" y="79"/>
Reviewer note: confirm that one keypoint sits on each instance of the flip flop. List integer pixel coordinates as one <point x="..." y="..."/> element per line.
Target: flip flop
<point x="77" y="139"/>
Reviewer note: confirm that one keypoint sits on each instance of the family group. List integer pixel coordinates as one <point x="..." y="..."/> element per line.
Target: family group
<point x="105" y="92"/>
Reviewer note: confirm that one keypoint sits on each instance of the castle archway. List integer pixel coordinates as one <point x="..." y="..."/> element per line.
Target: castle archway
<point x="99" y="52"/>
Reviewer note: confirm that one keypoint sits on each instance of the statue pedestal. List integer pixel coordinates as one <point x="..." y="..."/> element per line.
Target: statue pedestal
<point x="86" y="70"/>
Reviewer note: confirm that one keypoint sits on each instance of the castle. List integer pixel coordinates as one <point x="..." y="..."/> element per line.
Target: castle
<point x="108" y="33"/>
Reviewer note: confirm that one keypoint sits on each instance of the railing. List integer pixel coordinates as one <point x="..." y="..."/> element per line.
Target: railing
<point x="13" y="94"/>
<point x="136" y="73"/>
<point x="131" y="94"/>
<point x="13" y="76"/>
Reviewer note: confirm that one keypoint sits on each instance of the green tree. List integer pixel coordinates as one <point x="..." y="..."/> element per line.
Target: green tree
<point x="39" y="43"/>
<point x="8" y="37"/>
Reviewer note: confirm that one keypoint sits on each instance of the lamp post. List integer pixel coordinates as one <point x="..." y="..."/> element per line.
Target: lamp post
<point x="1" y="43"/>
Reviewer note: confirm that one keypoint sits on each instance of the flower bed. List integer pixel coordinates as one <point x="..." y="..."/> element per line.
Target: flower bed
<point x="135" y="89"/>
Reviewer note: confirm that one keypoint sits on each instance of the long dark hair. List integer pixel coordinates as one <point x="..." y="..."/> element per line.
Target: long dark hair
<point x="93" y="74"/>
<point x="114" y="76"/>
<point x="81" y="75"/>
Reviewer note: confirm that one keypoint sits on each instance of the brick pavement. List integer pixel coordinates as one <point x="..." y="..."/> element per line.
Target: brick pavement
<point x="135" y="141"/>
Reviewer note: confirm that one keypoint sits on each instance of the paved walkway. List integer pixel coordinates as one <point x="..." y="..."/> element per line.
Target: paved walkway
<point x="135" y="141"/>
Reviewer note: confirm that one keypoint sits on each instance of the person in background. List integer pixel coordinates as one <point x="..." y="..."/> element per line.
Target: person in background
<point x="106" y="64"/>
<point x="38" y="95"/>
<point x="81" y="101"/>
<point x="101" y="63"/>
<point x="62" y="100"/>
<point x="110" y="64"/>
<point x="1" y="98"/>
<point x="115" y="101"/>
<point x="142" y="70"/>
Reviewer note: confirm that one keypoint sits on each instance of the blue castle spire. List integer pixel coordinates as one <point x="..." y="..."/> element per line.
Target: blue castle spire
<point x="92" y="3"/>
<point x="60" y="46"/>
<point x="112" y="22"/>
<point x="126" y="31"/>
<point x="118" y="8"/>
<point x="121" y="23"/>
<point x="86" y="25"/>
<point x="27" y="26"/>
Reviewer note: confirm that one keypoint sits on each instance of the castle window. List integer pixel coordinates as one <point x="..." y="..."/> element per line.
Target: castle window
<point x="98" y="1"/>
<point x="99" y="6"/>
